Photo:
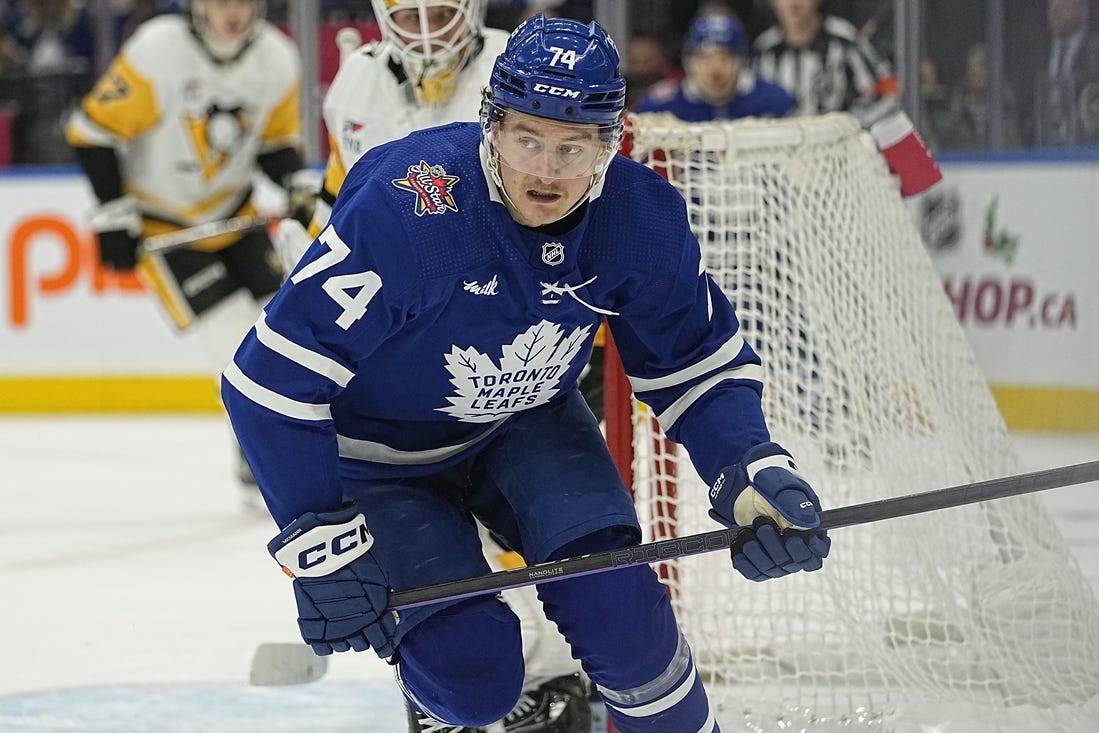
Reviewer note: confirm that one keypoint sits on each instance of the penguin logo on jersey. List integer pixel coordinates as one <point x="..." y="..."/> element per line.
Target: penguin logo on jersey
<point x="216" y="135"/>
<point x="432" y="186"/>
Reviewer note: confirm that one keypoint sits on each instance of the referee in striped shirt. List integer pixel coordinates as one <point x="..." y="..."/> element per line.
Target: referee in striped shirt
<point x="829" y="67"/>
<point x="824" y="62"/>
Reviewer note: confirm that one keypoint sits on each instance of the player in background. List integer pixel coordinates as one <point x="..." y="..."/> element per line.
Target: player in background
<point x="720" y="83"/>
<point x="828" y="67"/>
<point x="429" y="69"/>
<point x="171" y="137"/>
<point x="419" y="369"/>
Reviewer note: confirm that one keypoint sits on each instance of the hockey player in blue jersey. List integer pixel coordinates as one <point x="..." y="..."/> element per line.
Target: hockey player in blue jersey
<point x="419" y="368"/>
<point x="719" y="85"/>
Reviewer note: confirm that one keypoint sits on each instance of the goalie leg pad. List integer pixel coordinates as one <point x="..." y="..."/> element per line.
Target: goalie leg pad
<point x="641" y="663"/>
<point x="464" y="665"/>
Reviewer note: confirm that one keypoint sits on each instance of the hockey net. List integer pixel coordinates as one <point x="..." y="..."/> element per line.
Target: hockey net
<point x="970" y="619"/>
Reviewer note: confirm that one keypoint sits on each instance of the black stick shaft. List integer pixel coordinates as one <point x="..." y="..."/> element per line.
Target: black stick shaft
<point x="873" y="511"/>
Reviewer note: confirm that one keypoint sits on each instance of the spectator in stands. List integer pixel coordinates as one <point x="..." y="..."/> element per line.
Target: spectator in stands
<point x="824" y="62"/>
<point x="967" y="120"/>
<point x="933" y="95"/>
<point x="11" y="56"/>
<point x="137" y="13"/>
<point x="720" y="85"/>
<point x="1066" y="100"/>
<point x="55" y="35"/>
<point x="647" y="62"/>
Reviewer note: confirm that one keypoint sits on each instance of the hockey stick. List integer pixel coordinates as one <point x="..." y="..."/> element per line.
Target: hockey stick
<point x="181" y="238"/>
<point x="873" y="511"/>
<point x="279" y="663"/>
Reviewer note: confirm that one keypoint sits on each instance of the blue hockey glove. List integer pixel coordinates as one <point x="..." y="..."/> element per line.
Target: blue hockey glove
<point x="341" y="591"/>
<point x="766" y="493"/>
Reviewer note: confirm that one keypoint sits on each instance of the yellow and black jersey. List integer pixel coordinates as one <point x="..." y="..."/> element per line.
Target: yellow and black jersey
<point x="188" y="130"/>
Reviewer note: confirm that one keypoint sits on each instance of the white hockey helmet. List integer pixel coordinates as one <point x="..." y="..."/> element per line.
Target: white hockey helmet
<point x="222" y="49"/>
<point x="434" y="39"/>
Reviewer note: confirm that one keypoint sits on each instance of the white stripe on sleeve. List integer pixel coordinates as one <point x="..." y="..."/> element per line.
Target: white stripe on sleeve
<point x="272" y="400"/>
<point x="752" y="372"/>
<point x="311" y="360"/>
<point x="728" y="351"/>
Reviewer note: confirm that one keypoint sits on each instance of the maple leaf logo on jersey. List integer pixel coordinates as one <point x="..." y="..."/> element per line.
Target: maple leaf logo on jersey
<point x="432" y="185"/>
<point x="528" y="374"/>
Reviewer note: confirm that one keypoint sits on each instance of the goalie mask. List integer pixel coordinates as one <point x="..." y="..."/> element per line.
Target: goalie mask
<point x="565" y="74"/>
<point x="227" y="35"/>
<point x="434" y="40"/>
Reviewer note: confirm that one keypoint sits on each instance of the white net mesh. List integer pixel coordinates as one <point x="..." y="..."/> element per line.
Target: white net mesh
<point x="976" y="616"/>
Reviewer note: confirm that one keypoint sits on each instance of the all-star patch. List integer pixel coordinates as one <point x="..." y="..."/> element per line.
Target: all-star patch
<point x="432" y="186"/>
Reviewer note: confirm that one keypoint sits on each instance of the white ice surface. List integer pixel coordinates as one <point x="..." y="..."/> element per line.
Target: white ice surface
<point x="135" y="586"/>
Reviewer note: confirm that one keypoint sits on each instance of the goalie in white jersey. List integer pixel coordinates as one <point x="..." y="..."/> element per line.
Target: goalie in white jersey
<point x="411" y="79"/>
<point x="429" y="69"/>
<point x="171" y="137"/>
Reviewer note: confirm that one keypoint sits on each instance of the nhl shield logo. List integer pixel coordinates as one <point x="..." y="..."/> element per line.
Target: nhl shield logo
<point x="553" y="253"/>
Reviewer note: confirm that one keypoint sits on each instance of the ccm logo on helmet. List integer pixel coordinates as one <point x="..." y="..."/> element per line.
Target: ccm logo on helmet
<point x="556" y="91"/>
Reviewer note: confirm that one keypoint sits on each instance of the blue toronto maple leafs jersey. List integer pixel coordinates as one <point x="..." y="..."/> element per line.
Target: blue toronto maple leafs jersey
<point x="424" y="316"/>
<point x="754" y="97"/>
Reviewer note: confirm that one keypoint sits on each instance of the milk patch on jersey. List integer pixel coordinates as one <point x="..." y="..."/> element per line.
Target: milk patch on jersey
<point x="492" y="287"/>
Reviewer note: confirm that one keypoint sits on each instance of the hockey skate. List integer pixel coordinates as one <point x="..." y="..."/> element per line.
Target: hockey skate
<point x="558" y="706"/>
<point x="420" y="723"/>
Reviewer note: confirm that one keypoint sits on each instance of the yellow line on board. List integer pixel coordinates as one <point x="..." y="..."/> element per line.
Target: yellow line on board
<point x="1023" y="408"/>
<point x="1048" y="408"/>
<point x="59" y="394"/>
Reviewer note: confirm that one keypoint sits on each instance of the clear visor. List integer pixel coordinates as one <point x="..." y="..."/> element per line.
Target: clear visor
<point x="550" y="149"/>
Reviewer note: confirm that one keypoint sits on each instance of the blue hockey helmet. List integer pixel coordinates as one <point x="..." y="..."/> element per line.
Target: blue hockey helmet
<point x="559" y="69"/>
<point x="720" y="30"/>
<point x="566" y="74"/>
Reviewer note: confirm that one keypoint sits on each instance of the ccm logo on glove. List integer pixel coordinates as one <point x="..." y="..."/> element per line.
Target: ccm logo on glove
<point x="325" y="548"/>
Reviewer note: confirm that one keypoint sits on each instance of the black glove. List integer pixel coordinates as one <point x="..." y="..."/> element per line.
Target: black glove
<point x="118" y="250"/>
<point x="118" y="226"/>
<point x="302" y="188"/>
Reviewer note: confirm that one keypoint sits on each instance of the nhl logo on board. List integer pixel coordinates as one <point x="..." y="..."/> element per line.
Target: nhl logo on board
<point x="553" y="253"/>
